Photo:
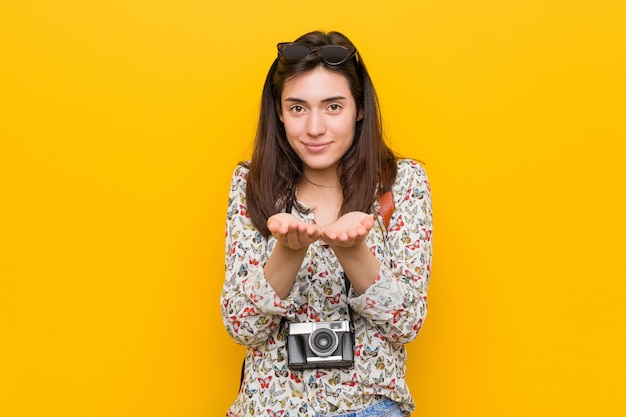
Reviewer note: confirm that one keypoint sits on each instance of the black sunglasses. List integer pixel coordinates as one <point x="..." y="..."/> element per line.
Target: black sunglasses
<point x="330" y="54"/>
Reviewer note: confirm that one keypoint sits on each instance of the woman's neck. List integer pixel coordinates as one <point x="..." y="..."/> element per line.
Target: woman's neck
<point x="324" y="198"/>
<point x="321" y="185"/>
<point x="326" y="178"/>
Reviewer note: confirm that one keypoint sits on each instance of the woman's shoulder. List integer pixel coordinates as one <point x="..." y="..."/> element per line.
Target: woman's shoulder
<point x="410" y="168"/>
<point x="240" y="173"/>
<point x="411" y="178"/>
<point x="239" y="178"/>
<point x="242" y="169"/>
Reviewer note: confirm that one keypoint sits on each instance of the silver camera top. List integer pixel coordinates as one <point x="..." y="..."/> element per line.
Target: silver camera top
<point x="310" y="327"/>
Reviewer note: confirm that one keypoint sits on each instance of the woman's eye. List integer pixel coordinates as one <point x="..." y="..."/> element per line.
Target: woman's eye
<point x="334" y="107"/>
<point x="297" y="109"/>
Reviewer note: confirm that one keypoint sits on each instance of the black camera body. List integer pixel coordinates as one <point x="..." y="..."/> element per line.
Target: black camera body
<point x="326" y="344"/>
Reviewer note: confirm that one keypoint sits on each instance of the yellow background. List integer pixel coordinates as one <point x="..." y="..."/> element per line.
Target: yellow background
<point x="121" y="122"/>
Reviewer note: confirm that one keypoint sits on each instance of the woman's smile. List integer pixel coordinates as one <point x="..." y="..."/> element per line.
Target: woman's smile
<point x="317" y="147"/>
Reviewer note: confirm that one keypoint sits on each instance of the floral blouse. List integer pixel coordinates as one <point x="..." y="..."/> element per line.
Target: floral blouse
<point x="388" y="315"/>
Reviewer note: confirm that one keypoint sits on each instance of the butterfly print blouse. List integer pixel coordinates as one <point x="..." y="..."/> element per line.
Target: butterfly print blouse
<point x="386" y="317"/>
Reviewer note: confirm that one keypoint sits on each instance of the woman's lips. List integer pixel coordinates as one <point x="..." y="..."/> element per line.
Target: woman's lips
<point x="316" y="147"/>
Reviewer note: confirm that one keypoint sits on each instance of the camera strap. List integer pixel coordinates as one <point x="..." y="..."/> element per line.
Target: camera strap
<point x="347" y="284"/>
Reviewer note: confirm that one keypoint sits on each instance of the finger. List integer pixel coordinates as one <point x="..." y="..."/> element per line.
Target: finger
<point x="271" y="224"/>
<point x="367" y="222"/>
<point x="330" y="234"/>
<point x="314" y="234"/>
<point x="293" y="236"/>
<point x="354" y="232"/>
<point x="277" y="226"/>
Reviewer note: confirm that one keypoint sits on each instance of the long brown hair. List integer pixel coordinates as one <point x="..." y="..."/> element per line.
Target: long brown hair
<point x="366" y="169"/>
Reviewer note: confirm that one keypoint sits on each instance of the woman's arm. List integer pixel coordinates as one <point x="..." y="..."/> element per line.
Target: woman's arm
<point x="397" y="300"/>
<point x="251" y="308"/>
<point x="346" y="237"/>
<point x="293" y="238"/>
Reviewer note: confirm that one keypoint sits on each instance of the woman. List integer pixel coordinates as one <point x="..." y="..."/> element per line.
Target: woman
<point x="307" y="242"/>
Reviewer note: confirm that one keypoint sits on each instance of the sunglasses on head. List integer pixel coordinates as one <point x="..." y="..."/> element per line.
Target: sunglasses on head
<point x="330" y="54"/>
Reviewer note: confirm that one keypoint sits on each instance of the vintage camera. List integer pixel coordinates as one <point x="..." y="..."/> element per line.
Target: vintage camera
<point x="327" y="344"/>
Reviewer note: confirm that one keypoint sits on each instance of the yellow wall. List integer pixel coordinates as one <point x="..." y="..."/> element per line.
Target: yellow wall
<point x="121" y="122"/>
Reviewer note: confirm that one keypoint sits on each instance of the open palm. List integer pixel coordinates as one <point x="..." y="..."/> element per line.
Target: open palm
<point x="348" y="230"/>
<point x="291" y="232"/>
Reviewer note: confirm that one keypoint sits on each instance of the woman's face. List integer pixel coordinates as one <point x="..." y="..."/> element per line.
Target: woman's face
<point x="319" y="114"/>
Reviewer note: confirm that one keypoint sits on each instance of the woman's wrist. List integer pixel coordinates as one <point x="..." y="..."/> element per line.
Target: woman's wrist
<point x="359" y="264"/>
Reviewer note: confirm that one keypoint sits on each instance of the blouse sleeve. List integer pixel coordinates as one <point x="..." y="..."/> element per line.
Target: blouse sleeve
<point x="251" y="309"/>
<point x="397" y="301"/>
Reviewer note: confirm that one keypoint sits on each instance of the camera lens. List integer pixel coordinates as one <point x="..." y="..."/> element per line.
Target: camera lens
<point x="323" y="342"/>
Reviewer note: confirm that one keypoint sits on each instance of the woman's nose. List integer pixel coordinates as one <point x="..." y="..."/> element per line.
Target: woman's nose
<point x="316" y="125"/>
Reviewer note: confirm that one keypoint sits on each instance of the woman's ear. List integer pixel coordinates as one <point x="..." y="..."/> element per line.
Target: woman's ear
<point x="359" y="116"/>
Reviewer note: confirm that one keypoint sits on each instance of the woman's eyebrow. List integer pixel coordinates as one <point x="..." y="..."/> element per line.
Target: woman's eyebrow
<point x="299" y="100"/>
<point x="334" y="98"/>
